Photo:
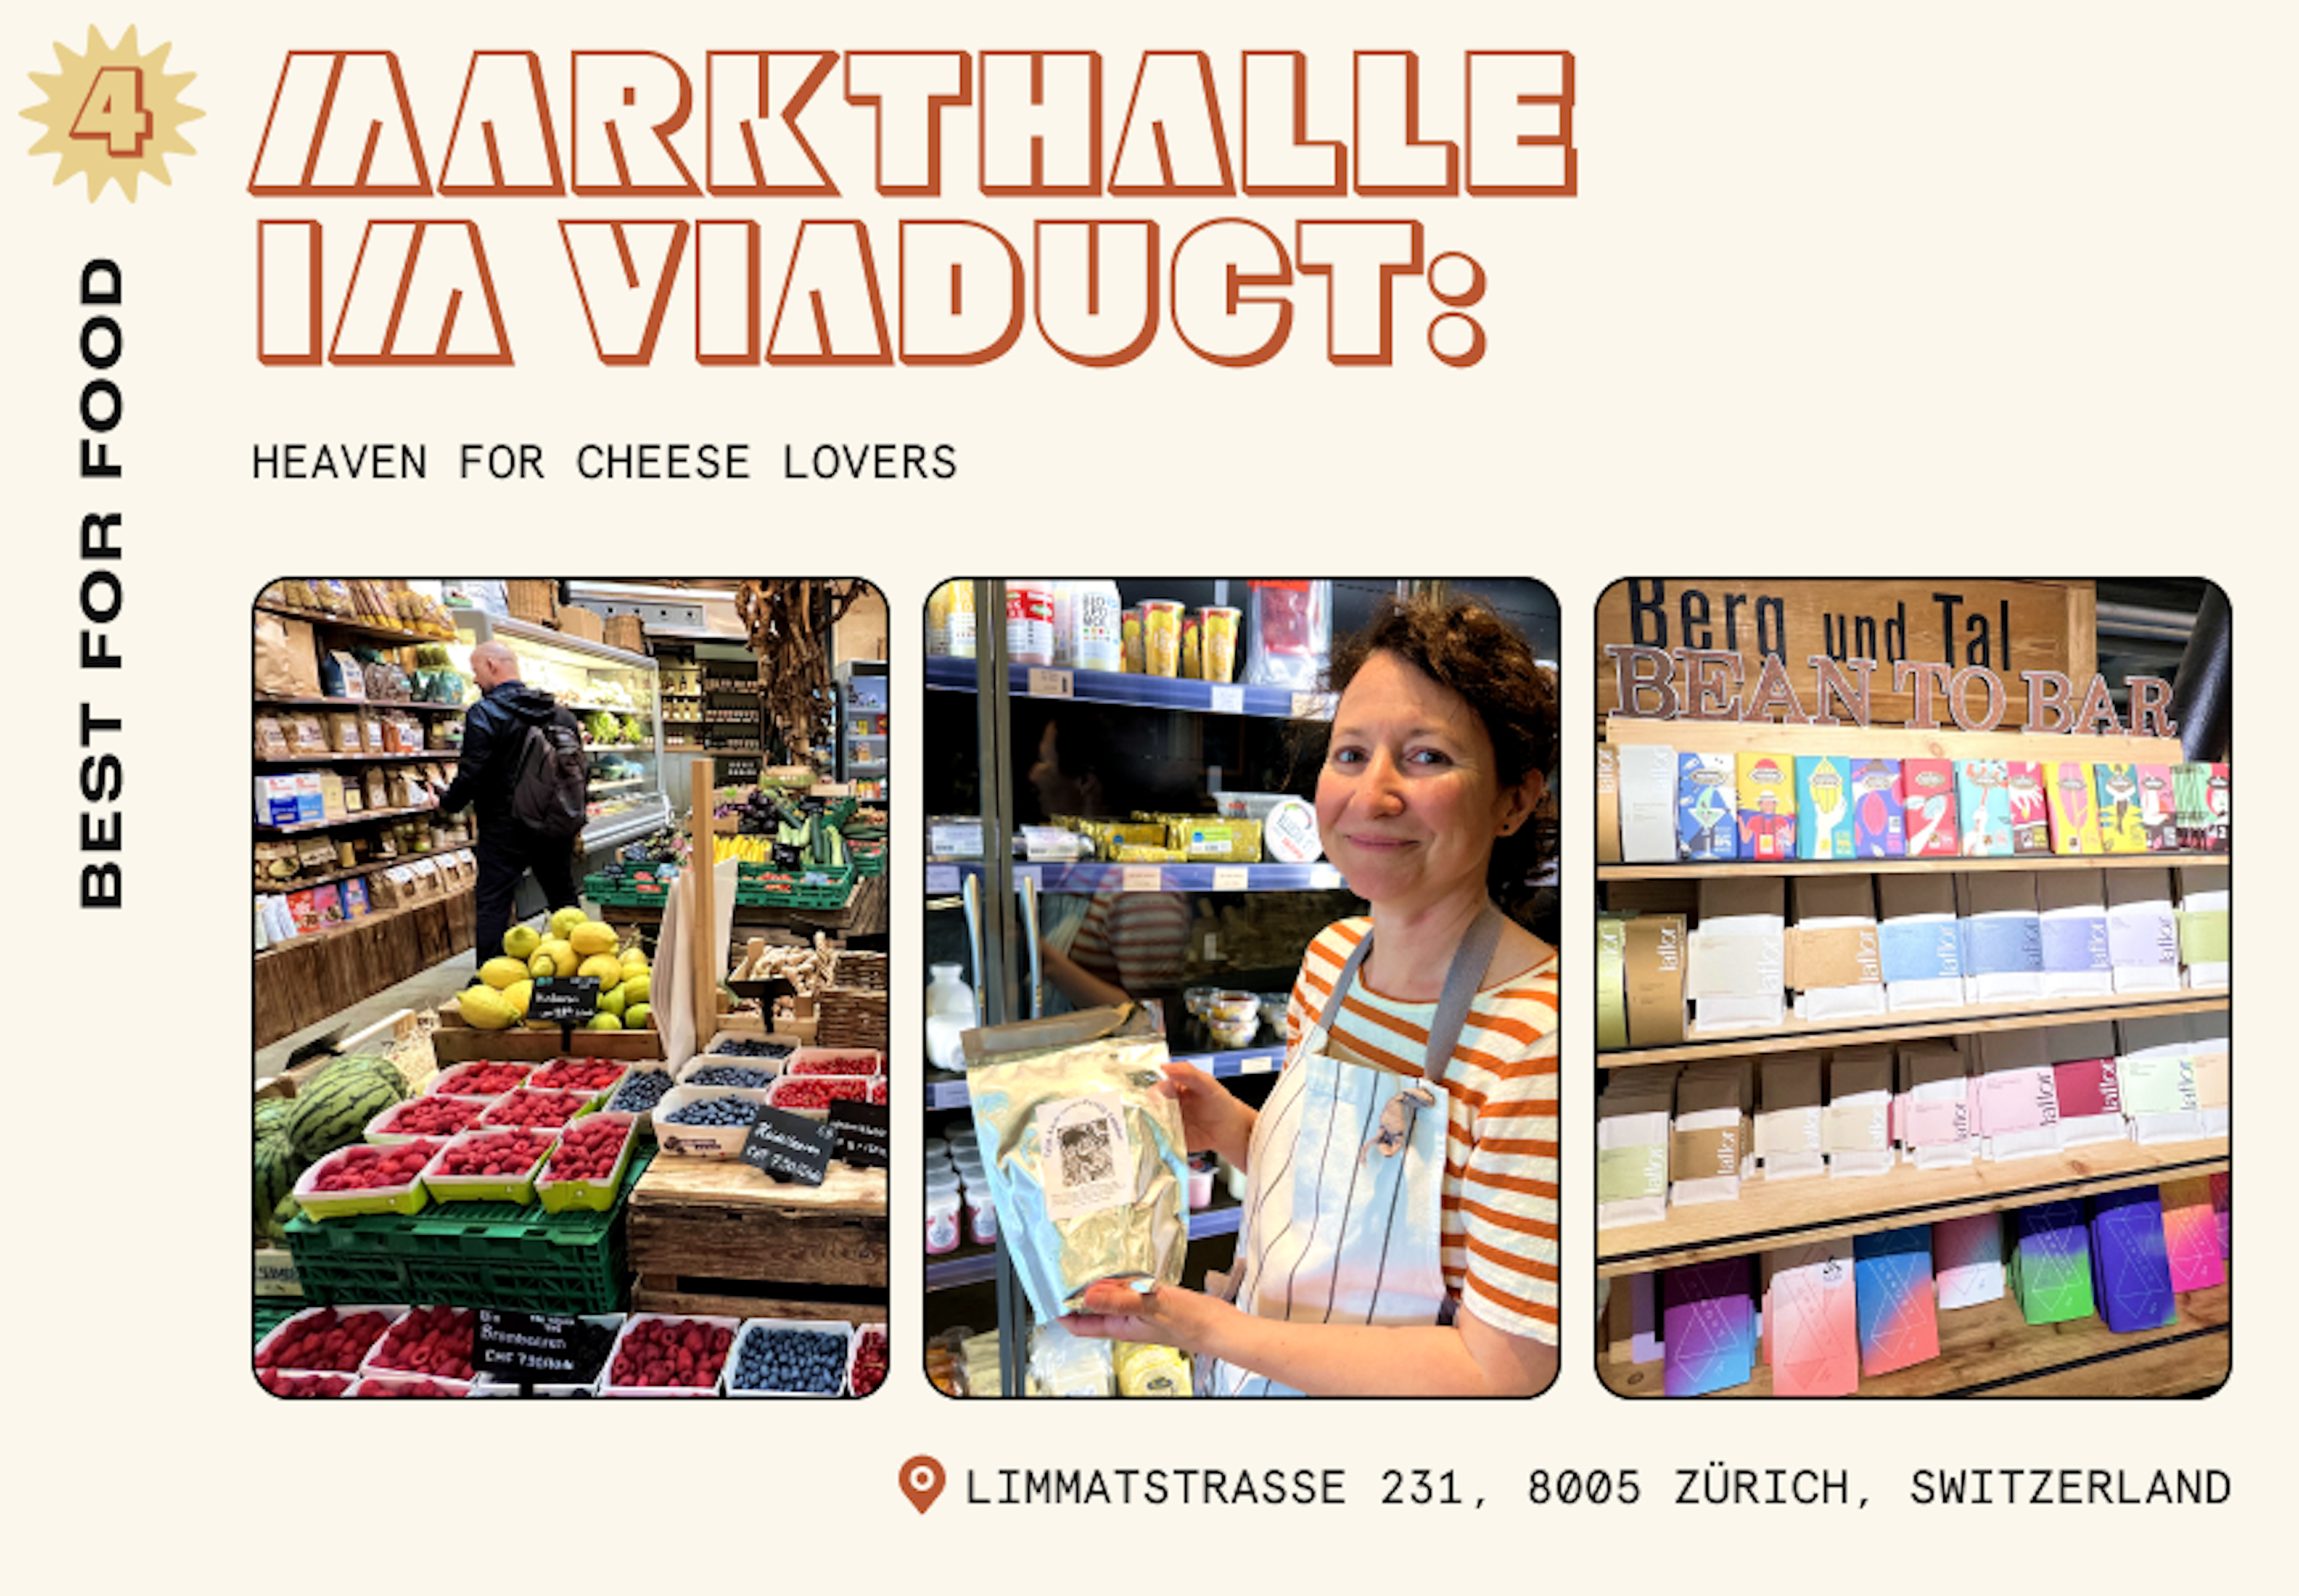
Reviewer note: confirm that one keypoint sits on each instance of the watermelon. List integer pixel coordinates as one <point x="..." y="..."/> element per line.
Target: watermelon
<point x="271" y="1114"/>
<point x="334" y="1108"/>
<point x="276" y="1166"/>
<point x="276" y="1226"/>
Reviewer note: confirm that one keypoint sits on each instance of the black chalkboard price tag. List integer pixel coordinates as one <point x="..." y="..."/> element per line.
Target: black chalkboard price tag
<point x="564" y="1000"/>
<point x="536" y="1349"/>
<point x="859" y="1132"/>
<point x="788" y="1147"/>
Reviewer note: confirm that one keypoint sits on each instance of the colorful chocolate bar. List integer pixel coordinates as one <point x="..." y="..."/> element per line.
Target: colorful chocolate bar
<point x="1928" y="792"/>
<point x="1879" y="817"/>
<point x="1706" y="824"/>
<point x="1985" y="808"/>
<point x="2115" y="790"/>
<point x="1768" y="808"/>
<point x="2074" y="816"/>
<point x="1823" y="807"/>
<point x="2155" y="809"/>
<point x="2023" y="792"/>
<point x="1893" y="1281"/>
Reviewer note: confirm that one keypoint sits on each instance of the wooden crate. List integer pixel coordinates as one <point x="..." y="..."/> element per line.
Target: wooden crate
<point x="456" y="1043"/>
<point x="714" y="1235"/>
<point x="313" y="978"/>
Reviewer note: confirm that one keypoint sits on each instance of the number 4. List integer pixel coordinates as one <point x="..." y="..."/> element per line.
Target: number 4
<point x="114" y="111"/>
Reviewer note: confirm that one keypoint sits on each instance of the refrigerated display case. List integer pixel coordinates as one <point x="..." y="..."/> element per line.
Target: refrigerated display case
<point x="862" y="729"/>
<point x="1012" y="748"/>
<point x="616" y="696"/>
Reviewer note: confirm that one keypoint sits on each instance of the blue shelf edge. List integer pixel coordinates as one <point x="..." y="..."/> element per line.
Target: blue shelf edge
<point x="1098" y="877"/>
<point x="951" y="674"/>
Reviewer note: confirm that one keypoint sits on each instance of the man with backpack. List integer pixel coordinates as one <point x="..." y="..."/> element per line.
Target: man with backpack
<point x="523" y="774"/>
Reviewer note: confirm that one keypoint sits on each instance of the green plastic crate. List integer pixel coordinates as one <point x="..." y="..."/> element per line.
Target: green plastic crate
<point x="271" y="1312"/>
<point x="474" y="1255"/>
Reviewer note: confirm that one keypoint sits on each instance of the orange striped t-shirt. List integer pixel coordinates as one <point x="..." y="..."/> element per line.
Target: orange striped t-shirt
<point x="1499" y="1237"/>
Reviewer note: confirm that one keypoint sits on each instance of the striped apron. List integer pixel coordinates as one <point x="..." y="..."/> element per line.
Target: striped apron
<point x="1345" y="1179"/>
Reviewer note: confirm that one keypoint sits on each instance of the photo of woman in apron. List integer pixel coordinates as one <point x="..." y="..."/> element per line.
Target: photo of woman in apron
<point x="1400" y="1231"/>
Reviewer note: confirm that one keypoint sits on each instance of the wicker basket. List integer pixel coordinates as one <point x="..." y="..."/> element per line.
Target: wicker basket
<point x="627" y="633"/>
<point x="577" y="621"/>
<point x="532" y="601"/>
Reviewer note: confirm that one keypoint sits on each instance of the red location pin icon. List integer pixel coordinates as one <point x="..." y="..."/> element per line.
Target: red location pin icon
<point x="922" y="1481"/>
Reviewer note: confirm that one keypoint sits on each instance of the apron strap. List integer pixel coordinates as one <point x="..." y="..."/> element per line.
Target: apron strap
<point x="1462" y="978"/>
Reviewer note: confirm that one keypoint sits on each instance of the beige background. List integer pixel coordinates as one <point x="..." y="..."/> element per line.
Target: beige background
<point x="1971" y="289"/>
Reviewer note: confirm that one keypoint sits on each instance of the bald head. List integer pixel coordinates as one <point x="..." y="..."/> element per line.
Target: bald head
<point x="493" y="663"/>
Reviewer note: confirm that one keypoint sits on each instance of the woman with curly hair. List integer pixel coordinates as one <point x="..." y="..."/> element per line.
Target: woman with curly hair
<point x="1400" y="1233"/>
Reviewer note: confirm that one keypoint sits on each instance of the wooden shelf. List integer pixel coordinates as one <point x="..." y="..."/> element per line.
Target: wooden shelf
<point x="1991" y="1350"/>
<point x="1884" y="742"/>
<point x="2022" y="1014"/>
<point x="265" y="702"/>
<point x="405" y="639"/>
<point x="1904" y="867"/>
<point x="304" y="939"/>
<point x="368" y="868"/>
<point x="1786" y="1213"/>
<point x="352" y="820"/>
<point x="442" y="755"/>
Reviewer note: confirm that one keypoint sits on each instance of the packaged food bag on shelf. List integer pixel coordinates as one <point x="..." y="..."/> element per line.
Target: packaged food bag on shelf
<point x="2085" y="1086"/>
<point x="2143" y="933"/>
<point x="1292" y="634"/>
<point x="1824" y="806"/>
<point x="1899" y="1322"/>
<point x="286" y="657"/>
<point x="1767" y="807"/>
<point x="1655" y="966"/>
<point x="1927" y="794"/>
<point x="1857" y="1133"/>
<point x="2115" y="794"/>
<point x="1709" y="1152"/>
<point x="1921" y="942"/>
<point x="2210" y="1063"/>
<point x="2202" y="922"/>
<point x="2155" y="1072"/>
<point x="1938" y="1124"/>
<point x="1967" y="1259"/>
<point x="1084" y="1154"/>
<point x="2191" y="1235"/>
<point x="1790" y="1119"/>
<point x="2132" y="1268"/>
<point x="2030" y="812"/>
<point x="1734" y="972"/>
<point x="1608" y="805"/>
<point x="1878" y="811"/>
<point x="2018" y="1096"/>
<point x="1811" y="1326"/>
<point x="2156" y="808"/>
<point x="2074" y="814"/>
<point x="2003" y="936"/>
<point x="2050" y="1267"/>
<point x="1633" y="1146"/>
<point x="1835" y="965"/>
<point x="1707" y="823"/>
<point x="1709" y="1327"/>
<point x="1648" y="803"/>
<point x="2071" y="925"/>
<point x="1612" y="981"/>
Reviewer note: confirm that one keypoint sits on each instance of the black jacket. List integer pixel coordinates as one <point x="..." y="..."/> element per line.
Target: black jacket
<point x="495" y="735"/>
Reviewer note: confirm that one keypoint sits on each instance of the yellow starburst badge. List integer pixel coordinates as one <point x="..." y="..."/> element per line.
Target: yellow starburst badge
<point x="112" y="113"/>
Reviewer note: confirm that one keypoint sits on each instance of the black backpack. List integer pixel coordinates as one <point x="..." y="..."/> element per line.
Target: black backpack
<point x="551" y="790"/>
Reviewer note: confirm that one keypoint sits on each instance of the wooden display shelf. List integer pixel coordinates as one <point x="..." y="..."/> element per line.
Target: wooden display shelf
<point x="715" y="1235"/>
<point x="316" y="976"/>
<point x="266" y="701"/>
<point x="1797" y="1035"/>
<point x="456" y="1042"/>
<point x="1690" y="871"/>
<point x="368" y="868"/>
<point x="1991" y="1350"/>
<point x="358" y="628"/>
<point x="440" y="754"/>
<point x="1790" y="1212"/>
<point x="361" y="818"/>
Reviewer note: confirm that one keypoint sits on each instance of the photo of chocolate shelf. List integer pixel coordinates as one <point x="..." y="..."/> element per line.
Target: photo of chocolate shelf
<point x="1913" y="1041"/>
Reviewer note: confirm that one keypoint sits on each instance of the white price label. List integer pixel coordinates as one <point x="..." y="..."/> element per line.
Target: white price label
<point x="941" y="878"/>
<point x="1231" y="878"/>
<point x="1049" y="683"/>
<point x="1035" y="875"/>
<point x="1229" y="701"/>
<point x="1263" y="1065"/>
<point x="1324" y="875"/>
<point x="1142" y="879"/>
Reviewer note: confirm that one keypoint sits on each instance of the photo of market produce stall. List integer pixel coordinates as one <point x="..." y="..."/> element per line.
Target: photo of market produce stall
<point x="541" y="1107"/>
<point x="1164" y="821"/>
